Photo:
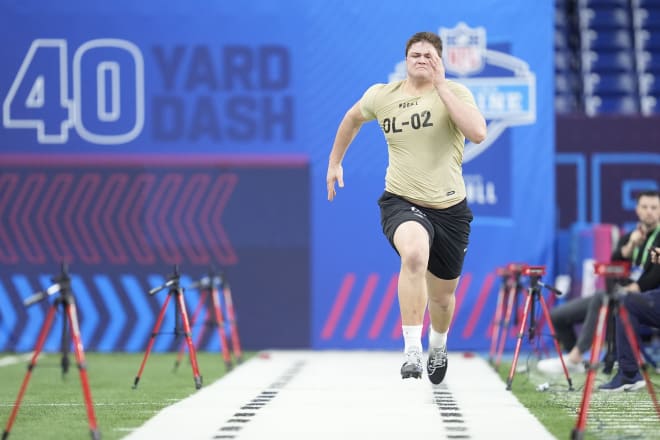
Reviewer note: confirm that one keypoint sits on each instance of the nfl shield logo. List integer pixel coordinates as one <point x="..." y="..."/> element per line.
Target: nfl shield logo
<point x="463" y="49"/>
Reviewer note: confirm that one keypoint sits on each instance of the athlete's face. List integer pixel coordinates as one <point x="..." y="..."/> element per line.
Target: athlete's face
<point x="418" y="60"/>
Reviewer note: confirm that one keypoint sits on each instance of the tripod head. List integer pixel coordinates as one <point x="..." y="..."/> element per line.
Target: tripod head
<point x="62" y="283"/>
<point x="613" y="272"/>
<point x="504" y="273"/>
<point x="208" y="281"/>
<point x="173" y="282"/>
<point x="615" y="269"/>
<point x="516" y="269"/>
<point x="535" y="273"/>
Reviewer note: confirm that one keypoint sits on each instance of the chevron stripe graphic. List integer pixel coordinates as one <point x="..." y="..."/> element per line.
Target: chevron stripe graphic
<point x="142" y="326"/>
<point x="120" y="218"/>
<point x="8" y="183"/>
<point x="8" y="319"/>
<point x="115" y="312"/>
<point x="34" y="315"/>
<point x="117" y="315"/>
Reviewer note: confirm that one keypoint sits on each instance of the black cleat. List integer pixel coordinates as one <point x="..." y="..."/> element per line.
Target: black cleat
<point x="412" y="367"/>
<point x="436" y="365"/>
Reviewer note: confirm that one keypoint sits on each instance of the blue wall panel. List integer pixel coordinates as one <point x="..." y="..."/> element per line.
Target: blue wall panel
<point x="84" y="83"/>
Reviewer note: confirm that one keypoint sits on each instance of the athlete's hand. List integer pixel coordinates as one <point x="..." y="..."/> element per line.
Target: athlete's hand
<point x="335" y="174"/>
<point x="438" y="67"/>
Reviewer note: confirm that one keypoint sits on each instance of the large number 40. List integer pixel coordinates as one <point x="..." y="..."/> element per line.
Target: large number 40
<point x="107" y="104"/>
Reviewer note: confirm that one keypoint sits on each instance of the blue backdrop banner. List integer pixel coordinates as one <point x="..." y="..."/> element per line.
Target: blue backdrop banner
<point x="125" y="94"/>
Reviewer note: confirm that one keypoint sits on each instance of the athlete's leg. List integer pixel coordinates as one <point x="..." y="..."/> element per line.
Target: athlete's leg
<point x="441" y="310"/>
<point x="441" y="301"/>
<point x="412" y="243"/>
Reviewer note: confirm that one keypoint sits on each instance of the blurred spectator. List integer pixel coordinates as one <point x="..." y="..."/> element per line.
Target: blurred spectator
<point x="643" y="309"/>
<point x="634" y="247"/>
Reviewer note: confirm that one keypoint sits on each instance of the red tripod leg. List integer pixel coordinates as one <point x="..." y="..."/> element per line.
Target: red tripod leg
<point x="191" y="346"/>
<point x="202" y="331"/>
<point x="152" y="339"/>
<point x="193" y="320"/>
<point x="578" y="431"/>
<point x="70" y="309"/>
<point x="546" y="315"/>
<point x="231" y="317"/>
<point x="507" y="324"/>
<point x="528" y="304"/>
<point x="632" y="338"/>
<point x="33" y="362"/>
<point x="497" y="322"/>
<point x="221" y="329"/>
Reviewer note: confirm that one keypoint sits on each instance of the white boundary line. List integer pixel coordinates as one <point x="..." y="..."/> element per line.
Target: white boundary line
<point x="5" y="361"/>
<point x="298" y="395"/>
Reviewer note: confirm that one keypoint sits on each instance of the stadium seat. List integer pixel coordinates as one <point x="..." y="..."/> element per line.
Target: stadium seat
<point x="646" y="18"/>
<point x="649" y="84"/>
<point x="604" y="19"/>
<point x="567" y="82"/>
<point x="649" y="106"/>
<point x="565" y="61"/>
<point x="561" y="20"/>
<point x="618" y="40"/>
<point x="648" y="62"/>
<point x="561" y="39"/>
<point x="648" y="41"/>
<point x="612" y="62"/>
<point x="610" y="84"/>
<point x="623" y="105"/>
<point x="566" y="103"/>
<point x="645" y="3"/>
<point x="602" y="4"/>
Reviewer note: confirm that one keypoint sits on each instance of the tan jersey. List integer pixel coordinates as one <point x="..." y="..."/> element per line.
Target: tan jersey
<point x="425" y="146"/>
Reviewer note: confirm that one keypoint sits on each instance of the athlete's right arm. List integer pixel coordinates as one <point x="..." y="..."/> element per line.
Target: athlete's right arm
<point x="348" y="128"/>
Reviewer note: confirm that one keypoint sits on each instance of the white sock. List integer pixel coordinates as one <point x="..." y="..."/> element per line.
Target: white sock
<point x="437" y="340"/>
<point x="412" y="337"/>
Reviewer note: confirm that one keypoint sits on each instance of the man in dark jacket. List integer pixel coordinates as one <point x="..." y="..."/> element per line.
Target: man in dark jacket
<point x="633" y="247"/>
<point x="643" y="309"/>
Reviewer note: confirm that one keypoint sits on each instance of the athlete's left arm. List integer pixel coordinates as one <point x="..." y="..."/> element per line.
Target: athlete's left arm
<point x="467" y="117"/>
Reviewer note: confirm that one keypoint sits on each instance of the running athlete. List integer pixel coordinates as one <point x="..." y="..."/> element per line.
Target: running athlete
<point x="424" y="213"/>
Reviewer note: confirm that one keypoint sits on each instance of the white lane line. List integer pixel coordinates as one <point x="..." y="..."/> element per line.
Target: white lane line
<point x="347" y="395"/>
<point x="5" y="361"/>
<point x="73" y="404"/>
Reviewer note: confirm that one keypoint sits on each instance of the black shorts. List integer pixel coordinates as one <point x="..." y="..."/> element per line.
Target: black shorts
<point x="448" y="229"/>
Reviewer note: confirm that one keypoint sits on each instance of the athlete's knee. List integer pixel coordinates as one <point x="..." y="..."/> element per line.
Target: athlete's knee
<point x="414" y="259"/>
<point x="441" y="300"/>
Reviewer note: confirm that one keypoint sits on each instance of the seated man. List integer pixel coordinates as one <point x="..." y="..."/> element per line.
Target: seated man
<point x="643" y="308"/>
<point x="632" y="247"/>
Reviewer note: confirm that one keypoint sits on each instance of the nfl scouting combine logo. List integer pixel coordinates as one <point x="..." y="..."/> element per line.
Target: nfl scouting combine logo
<point x="505" y="101"/>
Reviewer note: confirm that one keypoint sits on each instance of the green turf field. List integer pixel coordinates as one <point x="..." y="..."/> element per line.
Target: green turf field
<point x="53" y="406"/>
<point x="613" y="415"/>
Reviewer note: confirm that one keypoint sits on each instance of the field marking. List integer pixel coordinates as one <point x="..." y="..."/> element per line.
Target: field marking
<point x="6" y="361"/>
<point x="76" y="404"/>
<point x="350" y="395"/>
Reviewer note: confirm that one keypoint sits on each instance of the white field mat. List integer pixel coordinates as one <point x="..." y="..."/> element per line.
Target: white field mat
<point x="345" y="395"/>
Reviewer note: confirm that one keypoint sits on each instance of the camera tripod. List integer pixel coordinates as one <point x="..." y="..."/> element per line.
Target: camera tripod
<point x="62" y="285"/>
<point x="231" y="319"/>
<point x="208" y="291"/>
<point x="176" y="291"/>
<point x="610" y="304"/>
<point x="507" y="295"/>
<point x="533" y="295"/>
